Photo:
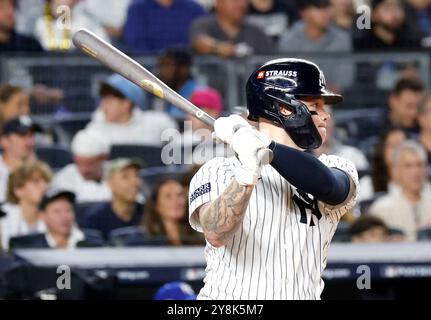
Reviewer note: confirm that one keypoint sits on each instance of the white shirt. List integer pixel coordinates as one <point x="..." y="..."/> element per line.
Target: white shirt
<point x="14" y="224"/>
<point x="280" y="250"/>
<point x="4" y="178"/>
<point x="107" y="12"/>
<point x="144" y="127"/>
<point x="198" y="149"/>
<point x="76" y="236"/>
<point x="398" y="212"/>
<point x="78" y="19"/>
<point x="69" y="178"/>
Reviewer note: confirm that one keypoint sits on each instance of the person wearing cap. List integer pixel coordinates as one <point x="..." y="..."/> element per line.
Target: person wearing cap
<point x="315" y="32"/>
<point x="198" y="135"/>
<point x="58" y="214"/>
<point x="389" y="31"/>
<point x="84" y="177"/>
<point x="176" y="290"/>
<point x="18" y="143"/>
<point x="123" y="210"/>
<point x="120" y="119"/>
<point x="27" y="185"/>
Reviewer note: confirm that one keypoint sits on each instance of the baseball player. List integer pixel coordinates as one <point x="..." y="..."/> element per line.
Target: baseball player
<point x="268" y="227"/>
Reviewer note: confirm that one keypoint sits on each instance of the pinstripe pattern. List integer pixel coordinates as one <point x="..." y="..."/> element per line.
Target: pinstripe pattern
<point x="273" y="254"/>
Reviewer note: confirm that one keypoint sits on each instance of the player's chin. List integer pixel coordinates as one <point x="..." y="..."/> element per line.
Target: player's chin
<point x="322" y="131"/>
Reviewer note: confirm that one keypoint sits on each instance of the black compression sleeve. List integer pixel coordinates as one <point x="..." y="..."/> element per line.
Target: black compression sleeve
<point x="310" y="175"/>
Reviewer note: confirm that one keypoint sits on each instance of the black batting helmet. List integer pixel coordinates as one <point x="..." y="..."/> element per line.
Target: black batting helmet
<point x="283" y="82"/>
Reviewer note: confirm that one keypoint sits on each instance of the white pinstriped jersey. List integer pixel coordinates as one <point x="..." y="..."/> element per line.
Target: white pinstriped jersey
<point x="280" y="250"/>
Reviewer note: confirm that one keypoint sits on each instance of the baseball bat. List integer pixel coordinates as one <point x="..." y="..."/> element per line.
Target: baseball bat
<point x="119" y="62"/>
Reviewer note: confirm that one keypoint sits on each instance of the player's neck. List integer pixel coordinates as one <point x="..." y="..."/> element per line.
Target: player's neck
<point x="277" y="134"/>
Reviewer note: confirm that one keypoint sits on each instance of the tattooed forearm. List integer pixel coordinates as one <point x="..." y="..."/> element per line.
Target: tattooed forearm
<point x="222" y="216"/>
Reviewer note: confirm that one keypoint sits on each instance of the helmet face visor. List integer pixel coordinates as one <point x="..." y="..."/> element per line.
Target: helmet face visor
<point x="297" y="121"/>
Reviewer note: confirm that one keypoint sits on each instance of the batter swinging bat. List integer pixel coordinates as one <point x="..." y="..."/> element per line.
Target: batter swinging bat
<point x="97" y="48"/>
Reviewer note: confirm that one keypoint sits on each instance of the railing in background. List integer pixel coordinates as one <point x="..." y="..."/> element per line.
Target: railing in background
<point x="364" y="79"/>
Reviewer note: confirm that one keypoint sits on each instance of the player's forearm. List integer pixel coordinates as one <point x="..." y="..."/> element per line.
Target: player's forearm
<point x="222" y="217"/>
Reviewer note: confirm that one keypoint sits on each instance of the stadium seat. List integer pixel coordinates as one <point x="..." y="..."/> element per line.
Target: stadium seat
<point x="424" y="234"/>
<point x="56" y="156"/>
<point x="149" y="154"/>
<point x="365" y="205"/>
<point x="81" y="212"/>
<point x="65" y="129"/>
<point x="342" y="234"/>
<point x="151" y="176"/>
<point x="359" y="124"/>
<point x="134" y="237"/>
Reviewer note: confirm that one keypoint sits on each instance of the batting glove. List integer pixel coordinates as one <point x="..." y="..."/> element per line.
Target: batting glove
<point x="247" y="143"/>
<point x="225" y="127"/>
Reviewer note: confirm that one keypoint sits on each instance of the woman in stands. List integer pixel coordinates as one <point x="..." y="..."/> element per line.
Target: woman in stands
<point x="26" y="187"/>
<point x="381" y="179"/>
<point x="166" y="215"/>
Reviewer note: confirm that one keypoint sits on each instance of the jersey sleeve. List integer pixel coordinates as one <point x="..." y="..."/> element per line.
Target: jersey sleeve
<point x="206" y="185"/>
<point x="349" y="168"/>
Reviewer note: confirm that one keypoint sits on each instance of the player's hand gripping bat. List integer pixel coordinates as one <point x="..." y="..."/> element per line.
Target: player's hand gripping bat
<point x="119" y="62"/>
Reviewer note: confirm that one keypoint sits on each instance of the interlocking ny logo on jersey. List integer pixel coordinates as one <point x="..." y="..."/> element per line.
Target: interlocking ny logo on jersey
<point x="205" y="188"/>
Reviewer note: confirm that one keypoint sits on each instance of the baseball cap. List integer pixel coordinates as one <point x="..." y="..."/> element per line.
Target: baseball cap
<point x="90" y="143"/>
<point x="302" y="4"/>
<point x="54" y="194"/>
<point x="122" y="163"/>
<point x="20" y="125"/>
<point x="207" y="98"/>
<point x="176" y="290"/>
<point x="127" y="88"/>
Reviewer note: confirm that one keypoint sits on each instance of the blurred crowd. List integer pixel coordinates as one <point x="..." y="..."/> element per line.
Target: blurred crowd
<point x="100" y="181"/>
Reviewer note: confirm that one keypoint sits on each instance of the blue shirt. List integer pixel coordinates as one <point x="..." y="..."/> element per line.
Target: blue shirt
<point x="186" y="91"/>
<point x="20" y="43"/>
<point x="103" y="218"/>
<point x="151" y="28"/>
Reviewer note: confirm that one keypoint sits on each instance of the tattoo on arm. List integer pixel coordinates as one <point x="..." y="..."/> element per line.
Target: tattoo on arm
<point x="222" y="216"/>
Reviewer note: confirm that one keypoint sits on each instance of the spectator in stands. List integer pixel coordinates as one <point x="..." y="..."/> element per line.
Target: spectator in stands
<point x="227" y="32"/>
<point x="58" y="214"/>
<point x="273" y="16"/>
<point x="10" y="40"/>
<point x="388" y="31"/>
<point x="369" y="229"/>
<point x="333" y="146"/>
<point x="344" y="14"/>
<point x="315" y="33"/>
<point x="18" y="143"/>
<point x="84" y="177"/>
<point x="120" y="119"/>
<point x="418" y="14"/>
<point x="174" y="68"/>
<point x="165" y="215"/>
<point x="408" y="207"/>
<point x="198" y="135"/>
<point x="111" y="14"/>
<point x="56" y="25"/>
<point x="403" y="103"/>
<point x="14" y="102"/>
<point x="26" y="14"/>
<point x="382" y="177"/>
<point x="26" y="187"/>
<point x="154" y="25"/>
<point x="425" y="125"/>
<point x="123" y="210"/>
